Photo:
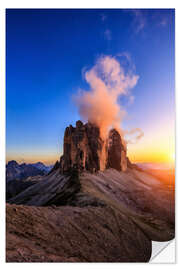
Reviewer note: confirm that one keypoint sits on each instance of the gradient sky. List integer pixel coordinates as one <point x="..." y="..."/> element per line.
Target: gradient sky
<point x="47" y="51"/>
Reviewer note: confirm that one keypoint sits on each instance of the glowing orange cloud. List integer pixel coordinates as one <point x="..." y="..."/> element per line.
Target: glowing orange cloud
<point x="108" y="81"/>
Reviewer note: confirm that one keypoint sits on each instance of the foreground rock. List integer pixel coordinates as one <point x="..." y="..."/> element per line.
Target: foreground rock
<point x="107" y="216"/>
<point x="73" y="234"/>
<point x="93" y="206"/>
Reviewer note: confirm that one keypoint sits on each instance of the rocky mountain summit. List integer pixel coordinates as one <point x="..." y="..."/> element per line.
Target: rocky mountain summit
<point x="85" y="150"/>
<point x="16" y="171"/>
<point x="42" y="167"/>
<point x="21" y="176"/>
<point x="93" y="206"/>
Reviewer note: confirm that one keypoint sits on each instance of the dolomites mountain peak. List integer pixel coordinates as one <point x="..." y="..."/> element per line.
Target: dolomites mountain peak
<point x="85" y="150"/>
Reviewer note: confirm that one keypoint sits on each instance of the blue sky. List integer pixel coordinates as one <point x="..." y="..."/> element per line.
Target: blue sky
<point x="46" y="52"/>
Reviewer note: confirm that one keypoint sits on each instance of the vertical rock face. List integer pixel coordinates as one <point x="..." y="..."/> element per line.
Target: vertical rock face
<point x="85" y="150"/>
<point x="116" y="156"/>
<point x="82" y="148"/>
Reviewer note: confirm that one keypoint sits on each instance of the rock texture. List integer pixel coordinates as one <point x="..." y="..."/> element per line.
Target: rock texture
<point x="54" y="189"/>
<point x="93" y="206"/>
<point x="73" y="234"/>
<point x="116" y="156"/>
<point x="85" y="150"/>
<point x="101" y="217"/>
<point x="17" y="186"/>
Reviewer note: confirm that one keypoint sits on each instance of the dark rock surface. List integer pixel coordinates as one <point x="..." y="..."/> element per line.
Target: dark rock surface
<point x="85" y="150"/>
<point x="53" y="189"/>
<point x="15" y="187"/>
<point x="83" y="212"/>
<point x="107" y="216"/>
<point x="73" y="234"/>
<point x="116" y="157"/>
<point x="55" y="167"/>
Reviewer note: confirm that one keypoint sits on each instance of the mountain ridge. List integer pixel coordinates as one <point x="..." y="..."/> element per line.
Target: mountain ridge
<point x="16" y="171"/>
<point x="90" y="207"/>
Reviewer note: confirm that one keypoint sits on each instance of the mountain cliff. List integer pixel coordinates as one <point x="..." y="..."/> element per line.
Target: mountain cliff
<point x="85" y="150"/>
<point x="93" y="206"/>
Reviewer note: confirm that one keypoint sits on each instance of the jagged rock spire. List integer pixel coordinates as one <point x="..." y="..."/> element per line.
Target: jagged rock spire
<point x="85" y="150"/>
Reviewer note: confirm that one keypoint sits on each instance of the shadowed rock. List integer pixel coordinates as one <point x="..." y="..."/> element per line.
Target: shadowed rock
<point x="116" y="157"/>
<point x="82" y="148"/>
<point x="53" y="189"/>
<point x="85" y="150"/>
<point x="74" y="215"/>
<point x="114" y="213"/>
<point x="73" y="234"/>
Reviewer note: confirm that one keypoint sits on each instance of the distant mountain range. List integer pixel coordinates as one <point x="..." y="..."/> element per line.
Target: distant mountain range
<point x="16" y="171"/>
<point x="42" y="167"/>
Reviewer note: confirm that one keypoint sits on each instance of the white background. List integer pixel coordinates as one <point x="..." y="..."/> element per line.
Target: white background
<point x="165" y="254"/>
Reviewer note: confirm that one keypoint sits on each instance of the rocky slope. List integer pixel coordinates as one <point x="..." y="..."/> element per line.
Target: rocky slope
<point x="107" y="216"/>
<point x="15" y="187"/>
<point x="74" y="215"/>
<point x="73" y="234"/>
